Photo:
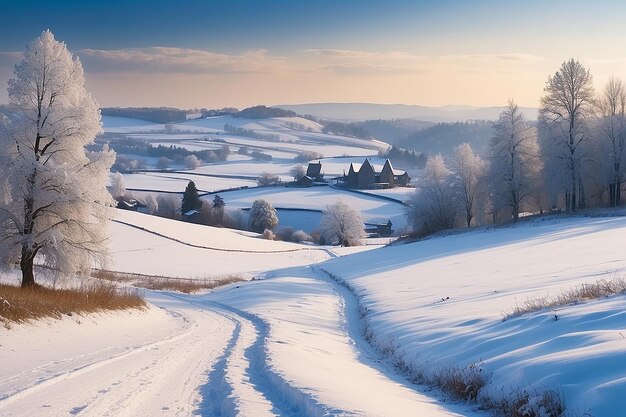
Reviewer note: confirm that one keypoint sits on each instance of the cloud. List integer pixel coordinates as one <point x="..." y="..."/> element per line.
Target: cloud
<point x="349" y="54"/>
<point x="369" y="69"/>
<point x="9" y="59"/>
<point x="164" y="60"/>
<point x="356" y="62"/>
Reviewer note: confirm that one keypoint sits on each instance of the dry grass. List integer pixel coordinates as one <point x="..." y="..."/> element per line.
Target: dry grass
<point x="528" y="404"/>
<point x="584" y="292"/>
<point x="187" y="286"/>
<point x="462" y="384"/>
<point x="20" y="305"/>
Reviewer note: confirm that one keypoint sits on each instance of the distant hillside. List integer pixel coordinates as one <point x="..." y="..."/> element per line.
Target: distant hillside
<point x="393" y="131"/>
<point x="151" y="114"/>
<point x="443" y="137"/>
<point x="369" y="111"/>
<point x="264" y="112"/>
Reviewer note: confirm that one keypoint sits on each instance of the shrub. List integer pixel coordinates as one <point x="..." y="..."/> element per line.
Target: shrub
<point x="20" y="305"/>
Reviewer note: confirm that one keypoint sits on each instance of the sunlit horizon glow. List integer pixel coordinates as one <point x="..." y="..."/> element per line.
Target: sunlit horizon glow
<point x="242" y="53"/>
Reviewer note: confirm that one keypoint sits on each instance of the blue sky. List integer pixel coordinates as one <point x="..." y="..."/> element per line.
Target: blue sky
<point x="243" y="52"/>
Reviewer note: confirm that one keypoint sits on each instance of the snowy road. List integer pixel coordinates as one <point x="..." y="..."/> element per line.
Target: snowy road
<point x="284" y="346"/>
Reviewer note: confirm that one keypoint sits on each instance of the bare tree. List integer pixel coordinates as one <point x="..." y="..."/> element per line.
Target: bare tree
<point x="341" y="224"/>
<point x="468" y="170"/>
<point x="54" y="205"/>
<point x="433" y="206"/>
<point x="612" y="120"/>
<point x="513" y="161"/>
<point x="566" y="106"/>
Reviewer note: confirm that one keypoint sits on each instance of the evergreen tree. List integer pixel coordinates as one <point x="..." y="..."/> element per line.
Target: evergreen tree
<point x="218" y="202"/>
<point x="191" y="200"/>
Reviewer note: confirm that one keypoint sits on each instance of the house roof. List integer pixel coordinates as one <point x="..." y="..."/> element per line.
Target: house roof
<point x="377" y="167"/>
<point x="314" y="169"/>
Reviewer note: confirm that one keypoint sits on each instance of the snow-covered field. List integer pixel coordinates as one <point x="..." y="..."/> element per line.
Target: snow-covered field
<point x="291" y="343"/>
<point x="372" y="209"/>
<point x="441" y="302"/>
<point x="156" y="246"/>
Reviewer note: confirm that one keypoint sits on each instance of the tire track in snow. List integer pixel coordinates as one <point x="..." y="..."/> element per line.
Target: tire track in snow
<point x="287" y="400"/>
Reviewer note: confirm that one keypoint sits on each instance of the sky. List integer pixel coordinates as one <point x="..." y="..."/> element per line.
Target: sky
<point x="219" y="53"/>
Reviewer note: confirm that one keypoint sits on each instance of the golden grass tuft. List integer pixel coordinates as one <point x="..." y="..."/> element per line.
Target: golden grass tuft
<point x="150" y="282"/>
<point x="19" y="305"/>
<point x="591" y="291"/>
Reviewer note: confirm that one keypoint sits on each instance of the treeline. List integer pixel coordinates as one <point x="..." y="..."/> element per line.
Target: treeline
<point x="263" y="112"/>
<point x="404" y="158"/>
<point x="394" y="131"/>
<point x="443" y="137"/>
<point x="151" y="114"/>
<point x="570" y="159"/>
<point x="346" y="129"/>
<point x="249" y="133"/>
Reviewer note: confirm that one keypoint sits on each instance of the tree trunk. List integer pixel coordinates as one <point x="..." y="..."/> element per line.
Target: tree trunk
<point x="26" y="265"/>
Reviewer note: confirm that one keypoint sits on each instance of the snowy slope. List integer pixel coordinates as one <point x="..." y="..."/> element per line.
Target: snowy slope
<point x="372" y="209"/>
<point x="581" y="351"/>
<point x="155" y="246"/>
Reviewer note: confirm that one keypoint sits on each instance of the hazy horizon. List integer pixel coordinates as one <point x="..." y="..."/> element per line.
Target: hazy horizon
<point x="243" y="53"/>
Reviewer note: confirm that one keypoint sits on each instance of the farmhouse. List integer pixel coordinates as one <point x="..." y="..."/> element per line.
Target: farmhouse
<point x="314" y="171"/>
<point x="367" y="175"/>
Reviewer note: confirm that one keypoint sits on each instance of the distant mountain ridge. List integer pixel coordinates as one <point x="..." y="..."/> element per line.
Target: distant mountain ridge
<point x="371" y="111"/>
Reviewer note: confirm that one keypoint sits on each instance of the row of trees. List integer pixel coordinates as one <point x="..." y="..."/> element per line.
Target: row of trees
<point x="571" y="158"/>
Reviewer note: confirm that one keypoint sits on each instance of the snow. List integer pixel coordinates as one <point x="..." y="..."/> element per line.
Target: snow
<point x="487" y="272"/>
<point x="240" y="350"/>
<point x="372" y="209"/>
<point x="176" y="182"/>
<point x="194" y="251"/>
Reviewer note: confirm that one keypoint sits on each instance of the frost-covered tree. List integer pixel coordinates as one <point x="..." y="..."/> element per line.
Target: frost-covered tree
<point x="433" y="206"/>
<point x="54" y="205"/>
<point x="342" y="225"/>
<point x="468" y="171"/>
<point x="262" y="216"/>
<point x="266" y="179"/>
<point x="152" y="204"/>
<point x="118" y="188"/>
<point x="192" y="162"/>
<point x="163" y="163"/>
<point x="191" y="199"/>
<point x="566" y="107"/>
<point x="297" y="171"/>
<point x="612" y="130"/>
<point x="168" y="206"/>
<point x="513" y="161"/>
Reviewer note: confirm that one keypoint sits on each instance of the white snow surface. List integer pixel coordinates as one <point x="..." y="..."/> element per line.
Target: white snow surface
<point x="291" y="343"/>
<point x="579" y="350"/>
<point x="156" y="246"/>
